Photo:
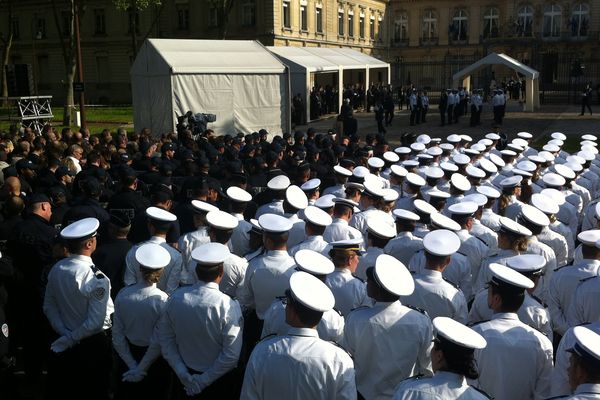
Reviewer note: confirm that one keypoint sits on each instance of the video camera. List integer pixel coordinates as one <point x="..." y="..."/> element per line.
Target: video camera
<point x="197" y="123"/>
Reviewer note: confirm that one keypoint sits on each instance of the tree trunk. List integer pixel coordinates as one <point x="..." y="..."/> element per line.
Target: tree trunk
<point x="133" y="26"/>
<point x="5" y="59"/>
<point x="69" y="95"/>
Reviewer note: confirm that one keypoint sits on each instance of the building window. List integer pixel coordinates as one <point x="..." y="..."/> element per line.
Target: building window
<point x="552" y="20"/>
<point x="458" y="29"/>
<point x="350" y="23"/>
<point x="340" y="22"/>
<point x="361" y="25"/>
<point x="319" y="18"/>
<point x="66" y="23"/>
<point x="401" y="28"/>
<point x="183" y="17"/>
<point x="213" y="16"/>
<point x="525" y="21"/>
<point x="303" y="17"/>
<point x="580" y="20"/>
<point x="380" y="28"/>
<point x="286" y="15"/>
<point x="103" y="69"/>
<point x="130" y="18"/>
<point x="490" y="23"/>
<point x="249" y="13"/>
<point x="40" y="28"/>
<point x="99" y="22"/>
<point x="372" y="27"/>
<point x="15" y="28"/>
<point x="429" y="32"/>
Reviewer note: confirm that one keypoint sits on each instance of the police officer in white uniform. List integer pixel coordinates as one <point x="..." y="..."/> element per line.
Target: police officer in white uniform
<point x="370" y="201"/>
<point x="189" y="241"/>
<point x="240" y="238"/>
<point x="159" y="221"/>
<point x="316" y="220"/>
<point x="432" y="293"/>
<point x="389" y="342"/>
<point x="350" y="292"/>
<point x="405" y="244"/>
<point x="300" y="365"/>
<point x="339" y="229"/>
<point x="200" y="331"/>
<point x="517" y="361"/>
<point x="566" y="279"/>
<point x="138" y="308"/>
<point x="267" y="276"/>
<point x="331" y="326"/>
<point x="294" y="204"/>
<point x="78" y="306"/>
<point x="452" y="361"/>
<point x="532" y="312"/>
<point x="379" y="233"/>
<point x="341" y="175"/>
<point x="488" y="217"/>
<point x="584" y="304"/>
<point x="584" y="368"/>
<point x="277" y="185"/>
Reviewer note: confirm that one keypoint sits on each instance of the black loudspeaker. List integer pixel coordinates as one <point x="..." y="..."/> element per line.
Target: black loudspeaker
<point x="19" y="78"/>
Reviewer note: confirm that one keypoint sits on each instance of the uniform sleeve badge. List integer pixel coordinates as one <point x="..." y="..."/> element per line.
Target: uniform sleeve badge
<point x="98" y="293"/>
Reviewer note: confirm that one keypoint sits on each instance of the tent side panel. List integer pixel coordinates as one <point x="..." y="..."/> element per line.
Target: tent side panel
<point x="260" y="101"/>
<point x="205" y="93"/>
<point x="141" y="105"/>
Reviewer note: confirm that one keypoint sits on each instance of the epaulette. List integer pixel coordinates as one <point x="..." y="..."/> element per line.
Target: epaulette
<point x="280" y="297"/>
<point x="559" y="268"/>
<point x="487" y="396"/>
<point x="97" y="273"/>
<point x="452" y="283"/>
<point x="587" y="279"/>
<point x="336" y="344"/>
<point x="416" y="309"/>
<point x="537" y="299"/>
<point x="359" y="278"/>
<point x="583" y="324"/>
<point x="267" y="337"/>
<point x="537" y="329"/>
<point x="359" y="308"/>
<point x="413" y="378"/>
<point x="481" y="240"/>
<point x="338" y="311"/>
<point x="477" y="323"/>
<point x="413" y="272"/>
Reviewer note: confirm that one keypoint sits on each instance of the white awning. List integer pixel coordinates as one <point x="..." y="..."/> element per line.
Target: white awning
<point x="495" y="59"/>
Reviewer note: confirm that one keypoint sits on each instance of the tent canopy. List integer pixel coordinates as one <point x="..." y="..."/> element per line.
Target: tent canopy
<point x="495" y="59"/>
<point x="240" y="81"/>
<point x="301" y="60"/>
<point x="174" y="56"/>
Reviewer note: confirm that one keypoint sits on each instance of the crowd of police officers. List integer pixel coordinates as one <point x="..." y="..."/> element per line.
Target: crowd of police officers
<point x="304" y="267"/>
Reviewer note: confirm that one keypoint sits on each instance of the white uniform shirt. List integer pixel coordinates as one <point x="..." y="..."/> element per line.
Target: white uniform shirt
<point x="297" y="234"/>
<point x="516" y="364"/>
<point x="240" y="238"/>
<point x="589" y="216"/>
<point x="557" y="243"/>
<point x="490" y="219"/>
<point x="340" y="230"/>
<point x="585" y="306"/>
<point x="443" y="385"/>
<point x="438" y="297"/>
<point x="349" y="291"/>
<point x="484" y="275"/>
<point x="200" y="330"/>
<point x="367" y="260"/>
<point x="172" y="273"/>
<point x="488" y="236"/>
<point x="389" y="342"/>
<point x="274" y="207"/>
<point x="299" y="365"/>
<point x="458" y="272"/>
<point x="531" y="312"/>
<point x="137" y="311"/>
<point x="186" y="244"/>
<point x="404" y="247"/>
<point x="566" y="234"/>
<point x="537" y="247"/>
<point x="562" y="287"/>
<point x="560" y="375"/>
<point x="267" y="277"/>
<point x="586" y="391"/>
<point x="77" y="301"/>
<point x="338" y="190"/>
<point x="315" y="243"/>
<point x="330" y="328"/>
<point x="473" y="248"/>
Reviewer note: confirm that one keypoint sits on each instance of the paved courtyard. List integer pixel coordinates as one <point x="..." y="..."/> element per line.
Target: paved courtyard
<point x="550" y="118"/>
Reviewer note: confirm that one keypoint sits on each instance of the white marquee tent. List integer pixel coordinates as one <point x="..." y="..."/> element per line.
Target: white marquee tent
<point x="241" y="82"/>
<point x="305" y="63"/>
<point x="532" y="92"/>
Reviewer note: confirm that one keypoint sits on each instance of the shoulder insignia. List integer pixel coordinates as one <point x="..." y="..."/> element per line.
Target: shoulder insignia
<point x="487" y="396"/>
<point x="413" y="378"/>
<point x="360" y="279"/>
<point x="99" y="293"/>
<point x="452" y="283"/>
<point x="478" y="322"/>
<point x="588" y="278"/>
<point x="416" y="309"/>
<point x="270" y="336"/>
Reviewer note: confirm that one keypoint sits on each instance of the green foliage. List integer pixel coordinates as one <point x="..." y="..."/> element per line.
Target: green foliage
<point x="139" y="4"/>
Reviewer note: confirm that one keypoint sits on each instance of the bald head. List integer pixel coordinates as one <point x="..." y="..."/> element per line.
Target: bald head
<point x="13" y="185"/>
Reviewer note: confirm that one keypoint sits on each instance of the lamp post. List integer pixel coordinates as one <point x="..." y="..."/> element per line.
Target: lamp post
<point x="79" y="68"/>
